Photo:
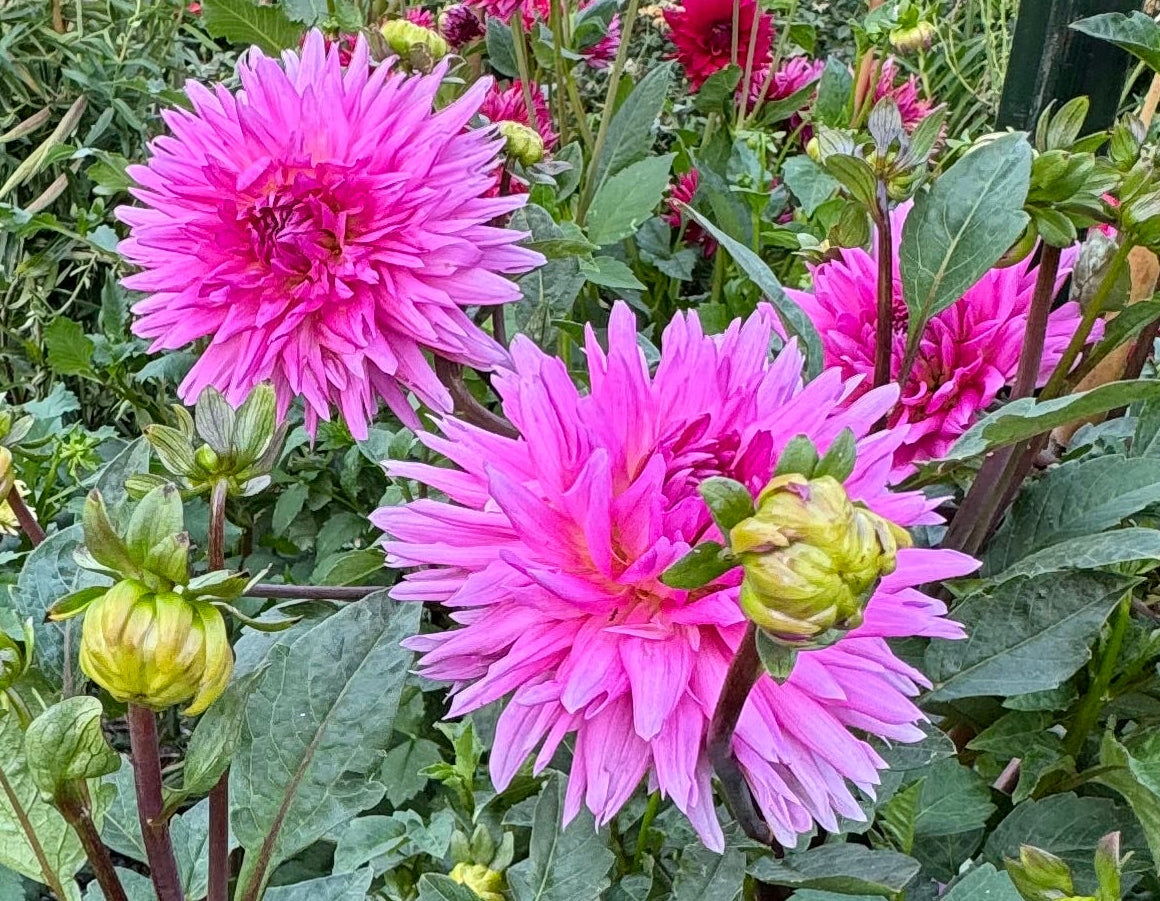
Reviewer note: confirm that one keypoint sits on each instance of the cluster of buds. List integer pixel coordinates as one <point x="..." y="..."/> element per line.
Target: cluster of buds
<point x="156" y="637"/>
<point x="812" y="557"/>
<point x="238" y="447"/>
<point x="1041" y="876"/>
<point x="417" y="46"/>
<point x="479" y="864"/>
<point x="1068" y="181"/>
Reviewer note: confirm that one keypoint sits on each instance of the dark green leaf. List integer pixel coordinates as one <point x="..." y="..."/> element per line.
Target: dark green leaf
<point x="833" y="93"/>
<point x="729" y="501"/>
<point x="501" y="47"/>
<point x="839" y="459"/>
<point x="66" y="744"/>
<point x="953" y="799"/>
<point x="778" y="659"/>
<point x="437" y="887"/>
<point x="626" y="199"/>
<point x="1088" y="552"/>
<point x="69" y="349"/>
<point x="718" y="90"/>
<point x="630" y="134"/>
<point x="810" y="183"/>
<point x="849" y="869"/>
<point x="1023" y="635"/>
<point x="344" y="887"/>
<point x="704" y="563"/>
<point x="402" y="770"/>
<point x="243" y="22"/>
<point x="959" y="228"/>
<point x="704" y="874"/>
<point x="983" y="883"/>
<point x="1122" y="773"/>
<point x="288" y="506"/>
<point x="1135" y="32"/>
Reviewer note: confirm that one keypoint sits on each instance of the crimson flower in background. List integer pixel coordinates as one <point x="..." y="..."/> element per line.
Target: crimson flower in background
<point x="702" y="31"/>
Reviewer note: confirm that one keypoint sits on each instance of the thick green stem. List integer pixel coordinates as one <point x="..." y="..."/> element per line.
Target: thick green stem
<point x="650" y="814"/>
<point x="1087" y="716"/>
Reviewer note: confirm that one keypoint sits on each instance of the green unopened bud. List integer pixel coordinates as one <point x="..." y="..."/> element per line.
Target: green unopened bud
<point x="488" y="885"/>
<point x="912" y="40"/>
<point x="7" y="474"/>
<point x="12" y="663"/>
<point x="523" y="143"/>
<point x="401" y="36"/>
<point x="814" y="150"/>
<point x="206" y="457"/>
<point x="812" y="557"/>
<point x="156" y="649"/>
<point x="1040" y="876"/>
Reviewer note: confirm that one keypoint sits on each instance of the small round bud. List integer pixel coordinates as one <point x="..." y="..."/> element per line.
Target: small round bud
<point x="814" y="150"/>
<point x="206" y="457"/>
<point x="401" y="36"/>
<point x="523" y="143"/>
<point x="486" y="884"/>
<point x="156" y="649"/>
<point x="812" y="558"/>
<point x="7" y="473"/>
<point x="11" y="662"/>
<point x="912" y="40"/>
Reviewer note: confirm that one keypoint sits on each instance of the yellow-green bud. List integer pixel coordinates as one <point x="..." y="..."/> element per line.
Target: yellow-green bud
<point x="7" y="474"/>
<point x="401" y="35"/>
<point x="911" y="40"/>
<point x="812" y="557"/>
<point x="206" y="457"/>
<point x="814" y="150"/>
<point x="486" y="884"/>
<point x="523" y="143"/>
<point x="156" y="649"/>
<point x="11" y="662"/>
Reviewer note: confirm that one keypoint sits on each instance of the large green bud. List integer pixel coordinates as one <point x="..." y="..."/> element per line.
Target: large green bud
<point x="156" y="649"/>
<point x="812" y="557"/>
<point x="487" y="884"/>
<point x="403" y="37"/>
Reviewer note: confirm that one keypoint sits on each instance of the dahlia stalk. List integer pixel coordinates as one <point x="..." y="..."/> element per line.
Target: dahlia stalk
<point x="549" y="551"/>
<point x="324" y="227"/>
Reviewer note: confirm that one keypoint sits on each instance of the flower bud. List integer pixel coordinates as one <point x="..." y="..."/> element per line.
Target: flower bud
<point x="156" y="649"/>
<point x="206" y="457"/>
<point x="911" y="40"/>
<point x="460" y="25"/>
<point x="401" y="36"/>
<point x="486" y="884"/>
<point x="812" y="558"/>
<point x="12" y="662"/>
<point x="523" y="143"/>
<point x="7" y="475"/>
<point x="814" y="150"/>
<point x="1040" y="876"/>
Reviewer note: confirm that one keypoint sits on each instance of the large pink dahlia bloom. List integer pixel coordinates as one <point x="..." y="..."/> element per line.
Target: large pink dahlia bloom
<point x="550" y="549"/>
<point x="969" y="352"/>
<point x="323" y="227"/>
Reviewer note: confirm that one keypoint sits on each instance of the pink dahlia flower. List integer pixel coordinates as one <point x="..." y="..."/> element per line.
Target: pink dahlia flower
<point x="702" y="31"/>
<point x="549" y="553"/>
<point x="683" y="192"/>
<point x="323" y="228"/>
<point x="422" y="17"/>
<point x="911" y="104"/>
<point x="969" y="352"/>
<point x="509" y="105"/>
<point x="598" y="54"/>
<point x="790" y="77"/>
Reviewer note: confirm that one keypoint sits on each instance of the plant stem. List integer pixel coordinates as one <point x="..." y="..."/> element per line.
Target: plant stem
<point x="1088" y="713"/>
<point x="466" y="406"/>
<point x="312" y="592"/>
<point x="739" y="681"/>
<point x="219" y="796"/>
<point x="1035" y="332"/>
<point x="51" y="878"/>
<point x="520" y="42"/>
<point x="608" y="111"/>
<point x="73" y="804"/>
<point x="28" y="523"/>
<point x="150" y="805"/>
<point x="650" y="814"/>
<point x="884" y="332"/>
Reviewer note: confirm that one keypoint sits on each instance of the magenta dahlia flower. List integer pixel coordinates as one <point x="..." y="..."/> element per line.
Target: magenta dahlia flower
<point x="549" y="553"/>
<point x="509" y="105"/>
<point x="323" y="228"/>
<point x="911" y="104"/>
<point x="416" y="15"/>
<point x="969" y="352"/>
<point x="460" y="25"/>
<point x="702" y="32"/>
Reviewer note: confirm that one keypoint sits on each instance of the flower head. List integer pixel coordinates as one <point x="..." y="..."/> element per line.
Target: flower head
<point x="323" y="227"/>
<point x="421" y="17"/>
<point x="702" y="31"/>
<point x="967" y="353"/>
<point x="460" y="25"/>
<point x="550" y="551"/>
<point x="791" y="76"/>
<point x="508" y="105"/>
<point x="683" y="192"/>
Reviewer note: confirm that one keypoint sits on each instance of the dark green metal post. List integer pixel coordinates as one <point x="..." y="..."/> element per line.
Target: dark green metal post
<point x="1049" y="62"/>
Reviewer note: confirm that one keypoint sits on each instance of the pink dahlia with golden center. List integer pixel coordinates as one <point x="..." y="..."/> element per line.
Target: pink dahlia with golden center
<point x="549" y="551"/>
<point x="323" y="227"/>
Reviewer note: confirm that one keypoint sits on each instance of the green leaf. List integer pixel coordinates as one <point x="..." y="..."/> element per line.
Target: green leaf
<point x="158" y="515"/>
<point x="777" y="658"/>
<point x="288" y="506"/>
<point x="799" y="457"/>
<point x="216" y="736"/>
<point x="366" y="838"/>
<point x="562" y="864"/>
<point x="348" y="568"/>
<point x="810" y="183"/>
<point x="703" y="874"/>
<point x="796" y="322"/>
<point x="345" y="887"/>
<point x="833" y="93"/>
<point x="718" y="90"/>
<point x="1023" y="635"/>
<point x="704" y="563"/>
<point x="1067" y="826"/>
<point x="61" y="847"/>
<point x="630" y="133"/>
<point x="1026" y="418"/>
<point x="729" y="501"/>
<point x="625" y="200"/>
<point x="138" y="887"/>
<point x="1088" y="552"/>
<point x="953" y="799"/>
<point x="610" y="272"/>
<point x="959" y="228"/>
<point x="1014" y="733"/>
<point x="172" y="447"/>
<point x="402" y="769"/>
<point x="316" y="725"/>
<point x="132" y="460"/>
<point x="120" y="828"/>
<point x="243" y="22"/>
<point x="501" y="47"/>
<point x="437" y="887"/>
<point x="1120" y="772"/>
<point x="65" y="744"/>
<point x="848" y="868"/>
<point x="856" y="176"/>
<point x="69" y="349"/>
<point x="1074" y="501"/>
<point x="839" y="459"/>
<point x="255" y="424"/>
<point x="983" y="883"/>
<point x="213" y="416"/>
<point x="1135" y="32"/>
<point x="50" y="572"/>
